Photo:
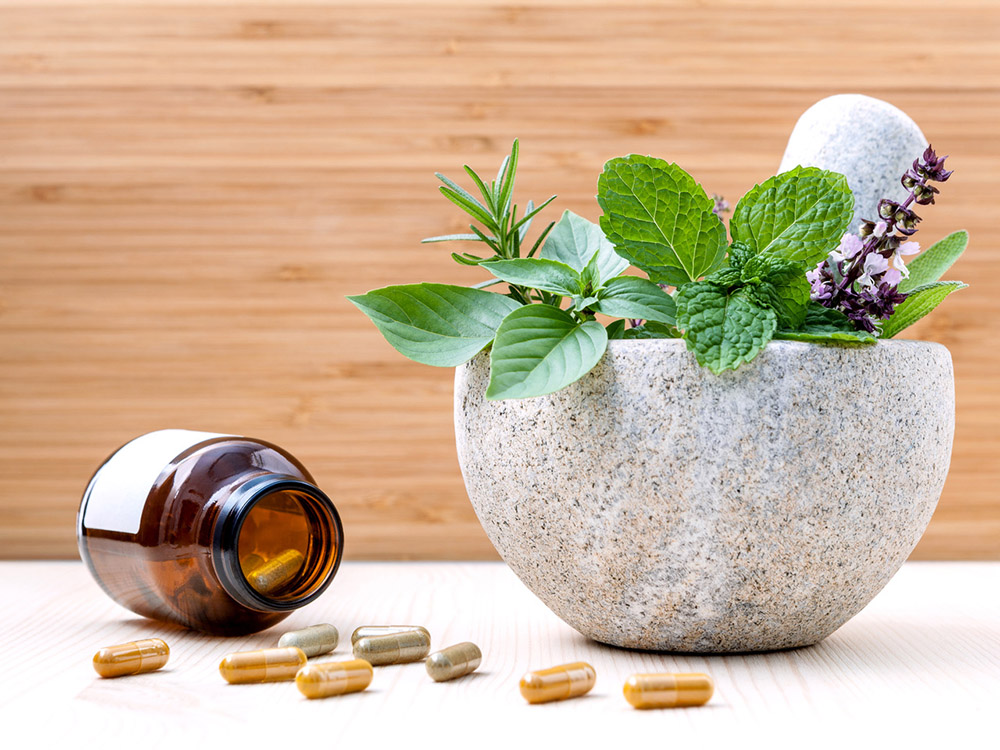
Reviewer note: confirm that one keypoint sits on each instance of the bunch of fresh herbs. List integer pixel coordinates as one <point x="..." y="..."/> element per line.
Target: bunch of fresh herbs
<point x="729" y="296"/>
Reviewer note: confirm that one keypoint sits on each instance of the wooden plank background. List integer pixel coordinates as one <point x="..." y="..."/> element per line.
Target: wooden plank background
<point x="188" y="190"/>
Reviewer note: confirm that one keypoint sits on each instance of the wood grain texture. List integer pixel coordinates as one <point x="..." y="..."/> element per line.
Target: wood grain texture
<point x="921" y="661"/>
<point x="187" y="192"/>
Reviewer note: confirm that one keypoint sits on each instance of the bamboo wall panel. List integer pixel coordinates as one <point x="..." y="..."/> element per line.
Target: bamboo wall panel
<point x="188" y="190"/>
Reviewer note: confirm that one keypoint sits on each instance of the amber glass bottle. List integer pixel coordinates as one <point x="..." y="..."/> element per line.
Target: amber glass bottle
<point x="219" y="533"/>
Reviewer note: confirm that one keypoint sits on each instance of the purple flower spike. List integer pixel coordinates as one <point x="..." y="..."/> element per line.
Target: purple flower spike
<point x="861" y="276"/>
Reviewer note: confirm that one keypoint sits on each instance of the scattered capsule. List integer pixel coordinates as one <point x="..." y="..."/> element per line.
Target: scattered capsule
<point x="314" y="640"/>
<point x="395" y="648"/>
<point x="668" y="690"/>
<point x="454" y="661"/>
<point x="135" y="657"/>
<point x="368" y="630"/>
<point x="276" y="572"/>
<point x="266" y="665"/>
<point x="558" y="683"/>
<point x="333" y="678"/>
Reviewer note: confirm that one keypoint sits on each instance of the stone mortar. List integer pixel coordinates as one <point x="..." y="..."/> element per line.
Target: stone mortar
<point x="654" y="505"/>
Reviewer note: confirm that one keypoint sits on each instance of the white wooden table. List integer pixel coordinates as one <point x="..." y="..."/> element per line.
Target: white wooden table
<point x="919" y="666"/>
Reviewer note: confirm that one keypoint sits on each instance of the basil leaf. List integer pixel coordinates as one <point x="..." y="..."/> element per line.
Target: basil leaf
<point x="632" y="297"/>
<point x="435" y="324"/>
<point x="547" y="275"/>
<point x="577" y="242"/>
<point x="540" y="349"/>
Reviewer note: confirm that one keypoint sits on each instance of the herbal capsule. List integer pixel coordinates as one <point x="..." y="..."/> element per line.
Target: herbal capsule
<point x="367" y="630"/>
<point x="276" y="572"/>
<point x="454" y="661"/>
<point x="333" y="678"/>
<point x="314" y="640"/>
<point x="251" y="562"/>
<point x="395" y="648"/>
<point x="135" y="657"/>
<point x="558" y="683"/>
<point x="267" y="665"/>
<point x="668" y="690"/>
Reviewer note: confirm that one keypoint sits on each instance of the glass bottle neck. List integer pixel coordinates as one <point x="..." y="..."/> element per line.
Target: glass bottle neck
<point x="277" y="543"/>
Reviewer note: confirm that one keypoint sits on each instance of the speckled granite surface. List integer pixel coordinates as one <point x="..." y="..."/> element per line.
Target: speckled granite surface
<point x="655" y="505"/>
<point x="869" y="141"/>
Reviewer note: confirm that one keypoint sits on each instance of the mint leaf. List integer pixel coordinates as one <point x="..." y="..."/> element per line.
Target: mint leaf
<point x="632" y="297"/>
<point x="825" y="326"/>
<point x="780" y="285"/>
<point x="547" y="275"/>
<point x="435" y="324"/>
<point x="660" y="219"/>
<point x="576" y="242"/>
<point x="798" y="215"/>
<point x="540" y="349"/>
<point x="931" y="264"/>
<point x="723" y="328"/>
<point x="917" y="304"/>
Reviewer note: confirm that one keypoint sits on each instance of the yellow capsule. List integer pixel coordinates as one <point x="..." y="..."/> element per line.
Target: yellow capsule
<point x="135" y="657"/>
<point x="333" y="678"/>
<point x="314" y="640"/>
<point x="367" y="630"/>
<point x="394" y="648"/>
<point x="454" y="661"/>
<point x="668" y="690"/>
<point x="558" y="683"/>
<point x="276" y="572"/>
<point x="266" y="665"/>
<point x="251" y="562"/>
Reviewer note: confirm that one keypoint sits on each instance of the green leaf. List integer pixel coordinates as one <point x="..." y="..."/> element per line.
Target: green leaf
<point x="537" y="273"/>
<point x="799" y="215"/>
<point x="825" y="326"/>
<point x="632" y="297"/>
<point x="660" y="219"/>
<point x="451" y="238"/>
<point x="917" y="304"/>
<point x="780" y="285"/>
<point x="435" y="324"/>
<point x="931" y="264"/>
<point x="723" y="328"/>
<point x="616" y="329"/>
<point x="541" y="349"/>
<point x="576" y="241"/>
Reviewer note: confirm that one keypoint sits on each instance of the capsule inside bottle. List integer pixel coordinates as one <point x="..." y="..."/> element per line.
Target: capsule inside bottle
<point x="276" y="572"/>
<point x="314" y="640"/>
<point x="395" y="648"/>
<point x="558" y="683"/>
<point x="668" y="690"/>
<point x="366" y="630"/>
<point x="266" y="665"/>
<point x="333" y="678"/>
<point x="454" y="661"/>
<point x="134" y="657"/>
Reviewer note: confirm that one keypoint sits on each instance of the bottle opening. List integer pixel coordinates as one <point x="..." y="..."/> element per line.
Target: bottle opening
<point x="282" y="542"/>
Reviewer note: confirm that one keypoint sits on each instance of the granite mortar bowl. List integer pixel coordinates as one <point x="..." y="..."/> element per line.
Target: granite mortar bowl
<point x="654" y="505"/>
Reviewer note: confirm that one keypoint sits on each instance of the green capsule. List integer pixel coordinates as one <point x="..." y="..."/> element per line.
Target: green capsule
<point x="454" y="661"/>
<point x="314" y="640"/>
<point x="367" y="630"/>
<point x="394" y="648"/>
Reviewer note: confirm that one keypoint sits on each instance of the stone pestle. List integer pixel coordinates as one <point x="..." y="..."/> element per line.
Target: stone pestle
<point x="869" y="141"/>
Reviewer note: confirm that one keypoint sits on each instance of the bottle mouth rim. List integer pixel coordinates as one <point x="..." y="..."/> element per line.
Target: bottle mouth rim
<point x="229" y="524"/>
